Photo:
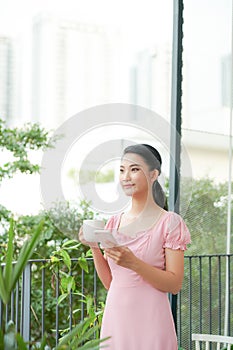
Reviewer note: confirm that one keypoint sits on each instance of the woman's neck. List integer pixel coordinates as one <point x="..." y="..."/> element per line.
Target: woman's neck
<point x="140" y="217"/>
<point x="146" y="207"/>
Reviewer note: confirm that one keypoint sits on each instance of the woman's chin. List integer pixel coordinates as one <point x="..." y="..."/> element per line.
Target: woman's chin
<point x="128" y="193"/>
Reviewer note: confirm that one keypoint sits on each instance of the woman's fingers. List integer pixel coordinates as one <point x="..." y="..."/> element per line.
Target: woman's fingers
<point x="121" y="256"/>
<point x="83" y="241"/>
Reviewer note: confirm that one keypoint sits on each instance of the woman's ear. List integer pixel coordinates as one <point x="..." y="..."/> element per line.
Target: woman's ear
<point x="154" y="175"/>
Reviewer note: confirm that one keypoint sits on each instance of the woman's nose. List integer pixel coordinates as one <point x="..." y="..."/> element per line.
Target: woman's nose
<point x="126" y="175"/>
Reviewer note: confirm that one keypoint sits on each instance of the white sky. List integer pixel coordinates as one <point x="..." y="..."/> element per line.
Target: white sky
<point x="138" y="18"/>
<point x="135" y="18"/>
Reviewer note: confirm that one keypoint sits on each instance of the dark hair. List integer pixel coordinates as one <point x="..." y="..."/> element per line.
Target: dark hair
<point x="153" y="159"/>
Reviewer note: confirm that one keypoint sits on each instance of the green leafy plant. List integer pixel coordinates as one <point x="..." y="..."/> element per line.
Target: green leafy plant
<point x="9" y="276"/>
<point x="61" y="257"/>
<point x="18" y="142"/>
<point x="85" y="334"/>
<point x="78" y="338"/>
<point x="12" y="271"/>
<point x="61" y="263"/>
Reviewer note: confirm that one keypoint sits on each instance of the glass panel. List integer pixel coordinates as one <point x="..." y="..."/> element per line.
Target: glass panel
<point x="206" y="116"/>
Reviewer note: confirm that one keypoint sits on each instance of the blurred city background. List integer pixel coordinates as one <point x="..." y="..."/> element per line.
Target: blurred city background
<point x="58" y="58"/>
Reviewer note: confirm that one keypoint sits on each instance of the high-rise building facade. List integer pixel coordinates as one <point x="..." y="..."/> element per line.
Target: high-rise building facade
<point x="8" y="79"/>
<point x="226" y="80"/>
<point x="151" y="80"/>
<point x="75" y="66"/>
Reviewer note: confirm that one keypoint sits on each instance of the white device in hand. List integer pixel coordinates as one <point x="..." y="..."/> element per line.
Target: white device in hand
<point x="106" y="238"/>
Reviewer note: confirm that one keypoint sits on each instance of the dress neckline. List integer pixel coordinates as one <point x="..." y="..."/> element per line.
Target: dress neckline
<point x="160" y="220"/>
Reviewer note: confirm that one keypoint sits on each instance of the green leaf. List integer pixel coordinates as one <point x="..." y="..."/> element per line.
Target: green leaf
<point x="71" y="244"/>
<point x="68" y="337"/>
<point x="25" y="255"/>
<point x="83" y="264"/>
<point x="86" y="336"/>
<point x="66" y="258"/>
<point x="3" y="293"/>
<point x="89" y="253"/>
<point x="68" y="283"/>
<point x="62" y="297"/>
<point x="93" y="344"/>
<point x="1" y="340"/>
<point x="20" y="342"/>
<point x="9" y="259"/>
<point x="89" y="302"/>
<point x="74" y="341"/>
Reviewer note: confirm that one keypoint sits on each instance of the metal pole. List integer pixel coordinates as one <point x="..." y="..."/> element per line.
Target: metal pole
<point x="175" y="133"/>
<point x="26" y="301"/>
<point x="228" y="237"/>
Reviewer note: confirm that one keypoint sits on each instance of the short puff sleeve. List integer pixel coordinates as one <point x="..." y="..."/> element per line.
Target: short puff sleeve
<point x="176" y="235"/>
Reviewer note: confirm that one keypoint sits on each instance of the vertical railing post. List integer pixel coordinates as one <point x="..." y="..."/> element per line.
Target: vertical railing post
<point x="57" y="305"/>
<point x="175" y="142"/>
<point x="25" y="305"/>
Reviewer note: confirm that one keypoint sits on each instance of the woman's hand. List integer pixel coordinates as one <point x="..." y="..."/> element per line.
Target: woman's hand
<point x="168" y="280"/>
<point x="122" y="256"/>
<point x="83" y="241"/>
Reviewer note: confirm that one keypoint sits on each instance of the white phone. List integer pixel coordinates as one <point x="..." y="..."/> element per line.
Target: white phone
<point x="105" y="238"/>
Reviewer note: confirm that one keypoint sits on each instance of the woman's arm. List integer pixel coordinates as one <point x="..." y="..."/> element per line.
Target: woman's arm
<point x="102" y="267"/>
<point x="168" y="280"/>
<point x="100" y="262"/>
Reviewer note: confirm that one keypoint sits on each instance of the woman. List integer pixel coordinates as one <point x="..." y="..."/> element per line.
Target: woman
<point x="147" y="264"/>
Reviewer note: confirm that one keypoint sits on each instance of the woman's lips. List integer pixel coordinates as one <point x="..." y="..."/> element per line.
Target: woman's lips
<point x="128" y="186"/>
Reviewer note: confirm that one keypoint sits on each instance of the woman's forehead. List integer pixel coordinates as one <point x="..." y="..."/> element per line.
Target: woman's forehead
<point x="132" y="158"/>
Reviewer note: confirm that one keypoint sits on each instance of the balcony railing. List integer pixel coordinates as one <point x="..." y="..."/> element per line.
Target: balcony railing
<point x="35" y="310"/>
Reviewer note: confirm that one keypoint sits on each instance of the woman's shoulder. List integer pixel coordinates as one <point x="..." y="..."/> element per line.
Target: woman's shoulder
<point x="172" y="216"/>
<point x="113" y="221"/>
<point x="177" y="235"/>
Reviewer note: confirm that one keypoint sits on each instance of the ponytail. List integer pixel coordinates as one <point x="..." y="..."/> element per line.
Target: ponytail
<point x="159" y="195"/>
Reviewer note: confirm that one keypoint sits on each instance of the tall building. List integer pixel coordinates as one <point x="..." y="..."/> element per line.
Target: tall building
<point x="226" y="67"/>
<point x="8" y="79"/>
<point x="75" y="66"/>
<point x="151" y="80"/>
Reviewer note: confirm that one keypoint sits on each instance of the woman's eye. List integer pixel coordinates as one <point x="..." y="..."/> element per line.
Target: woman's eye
<point x="135" y="169"/>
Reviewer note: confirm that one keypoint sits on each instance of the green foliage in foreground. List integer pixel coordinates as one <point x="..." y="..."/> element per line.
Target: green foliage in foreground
<point x="12" y="271"/>
<point x="78" y="337"/>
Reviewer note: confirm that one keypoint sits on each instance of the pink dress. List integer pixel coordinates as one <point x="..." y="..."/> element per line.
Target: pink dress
<point x="138" y="316"/>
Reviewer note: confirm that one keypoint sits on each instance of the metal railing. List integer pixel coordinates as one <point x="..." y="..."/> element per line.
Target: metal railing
<point x="201" y="302"/>
<point x="35" y="310"/>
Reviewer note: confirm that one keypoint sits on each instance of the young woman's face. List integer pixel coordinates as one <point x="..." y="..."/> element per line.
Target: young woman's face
<point x="135" y="176"/>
